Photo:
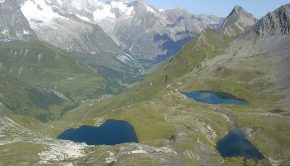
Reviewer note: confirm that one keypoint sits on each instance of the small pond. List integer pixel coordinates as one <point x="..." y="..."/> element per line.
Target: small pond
<point x="214" y="97"/>
<point x="111" y="132"/>
<point x="235" y="144"/>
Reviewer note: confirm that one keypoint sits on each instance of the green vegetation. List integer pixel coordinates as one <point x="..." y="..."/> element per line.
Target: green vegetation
<point x="18" y="154"/>
<point x="42" y="81"/>
<point x="161" y="116"/>
<point x="43" y="99"/>
<point x="43" y="65"/>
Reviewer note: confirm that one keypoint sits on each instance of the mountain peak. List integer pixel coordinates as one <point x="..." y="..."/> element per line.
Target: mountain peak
<point x="274" y="23"/>
<point x="238" y="8"/>
<point x="239" y="11"/>
<point x="17" y="28"/>
<point x="139" y="2"/>
<point x="237" y="21"/>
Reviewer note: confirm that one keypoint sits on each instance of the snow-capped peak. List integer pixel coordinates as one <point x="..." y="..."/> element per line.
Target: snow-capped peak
<point x="38" y="11"/>
<point x="94" y="11"/>
<point x="122" y="7"/>
<point x="150" y="9"/>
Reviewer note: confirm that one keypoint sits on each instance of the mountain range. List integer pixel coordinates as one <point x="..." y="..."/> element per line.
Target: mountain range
<point x="237" y="22"/>
<point x="82" y="62"/>
<point x="81" y="25"/>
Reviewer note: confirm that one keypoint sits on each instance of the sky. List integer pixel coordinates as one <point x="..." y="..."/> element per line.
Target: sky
<point x="220" y="8"/>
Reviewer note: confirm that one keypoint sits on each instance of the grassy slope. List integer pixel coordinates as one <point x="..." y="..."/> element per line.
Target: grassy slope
<point x="19" y="98"/>
<point x="185" y="61"/>
<point x="46" y="66"/>
<point x="162" y="117"/>
<point x="158" y="112"/>
<point x="31" y="71"/>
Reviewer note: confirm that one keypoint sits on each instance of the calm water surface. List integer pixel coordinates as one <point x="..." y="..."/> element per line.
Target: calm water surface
<point x="214" y="97"/>
<point x="235" y="144"/>
<point x="112" y="132"/>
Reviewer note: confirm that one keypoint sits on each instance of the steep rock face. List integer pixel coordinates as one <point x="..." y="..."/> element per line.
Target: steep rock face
<point x="237" y="22"/>
<point x="189" y="22"/>
<point x="137" y="32"/>
<point x="274" y="23"/>
<point x="265" y="48"/>
<point x="272" y="34"/>
<point x="14" y="25"/>
<point x="152" y="33"/>
<point x="142" y="30"/>
<point x="63" y="29"/>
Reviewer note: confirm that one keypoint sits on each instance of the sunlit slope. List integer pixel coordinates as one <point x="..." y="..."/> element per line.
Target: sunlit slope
<point x="44" y="82"/>
<point x="155" y="85"/>
<point x="248" y="67"/>
<point x="208" y="45"/>
<point x="19" y="98"/>
<point x="175" y="130"/>
<point x="46" y="66"/>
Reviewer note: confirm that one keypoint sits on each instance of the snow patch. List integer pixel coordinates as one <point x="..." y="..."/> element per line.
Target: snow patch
<point x="83" y="18"/>
<point x="59" y="94"/>
<point x="26" y="52"/>
<point x="25" y="32"/>
<point x="20" y="71"/>
<point x="39" y="57"/>
<point x="100" y="10"/>
<point x="123" y="7"/>
<point x="38" y="10"/>
<point x="104" y="12"/>
<point x="150" y="9"/>
<point x="125" y="58"/>
<point x="5" y="32"/>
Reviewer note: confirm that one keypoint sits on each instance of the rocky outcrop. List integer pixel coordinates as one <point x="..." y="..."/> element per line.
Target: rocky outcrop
<point x="237" y="22"/>
<point x="64" y="29"/>
<point x="274" y="23"/>
<point x="141" y="29"/>
<point x="14" y="26"/>
<point x="152" y="33"/>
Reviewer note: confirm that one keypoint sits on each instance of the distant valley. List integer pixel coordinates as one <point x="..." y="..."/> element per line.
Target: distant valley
<point x="87" y="82"/>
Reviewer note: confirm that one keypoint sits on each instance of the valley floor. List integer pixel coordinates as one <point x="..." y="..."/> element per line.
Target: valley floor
<point x="169" y="134"/>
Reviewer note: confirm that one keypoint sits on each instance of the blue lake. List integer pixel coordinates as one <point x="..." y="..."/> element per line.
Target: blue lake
<point x="235" y="144"/>
<point x="214" y="97"/>
<point x="111" y="132"/>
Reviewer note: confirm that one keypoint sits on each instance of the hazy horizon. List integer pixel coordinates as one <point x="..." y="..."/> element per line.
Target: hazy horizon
<point x="220" y="8"/>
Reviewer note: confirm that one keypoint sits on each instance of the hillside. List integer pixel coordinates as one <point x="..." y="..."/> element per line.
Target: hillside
<point x="144" y="32"/>
<point x="43" y="65"/>
<point x="19" y="98"/>
<point x="17" y="28"/>
<point x="172" y="129"/>
<point x="243" y="67"/>
<point x="237" y="22"/>
<point x="42" y="81"/>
